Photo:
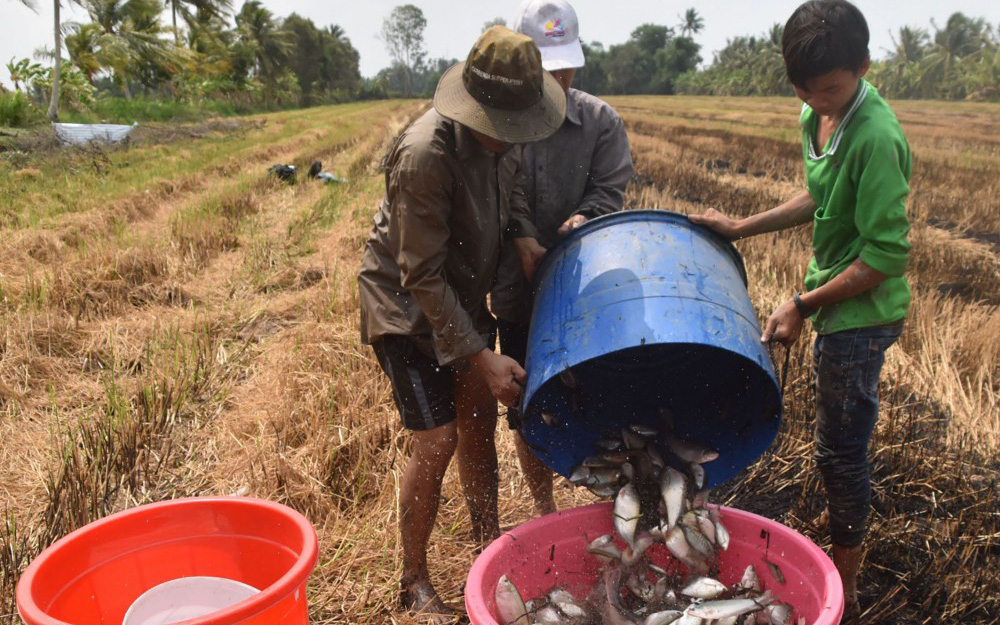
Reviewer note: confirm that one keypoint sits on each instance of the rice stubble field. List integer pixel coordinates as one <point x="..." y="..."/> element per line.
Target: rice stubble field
<point x="176" y="323"/>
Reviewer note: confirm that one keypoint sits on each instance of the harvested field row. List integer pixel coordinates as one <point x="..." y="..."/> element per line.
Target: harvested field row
<point x="206" y="343"/>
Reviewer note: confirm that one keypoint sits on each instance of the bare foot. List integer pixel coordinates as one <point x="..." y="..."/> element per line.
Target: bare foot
<point x="421" y="600"/>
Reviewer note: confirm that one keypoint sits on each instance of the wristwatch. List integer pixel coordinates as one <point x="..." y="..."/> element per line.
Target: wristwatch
<point x="804" y="311"/>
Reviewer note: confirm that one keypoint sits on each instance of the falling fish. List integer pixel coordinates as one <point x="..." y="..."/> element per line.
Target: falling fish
<point x="604" y="547"/>
<point x="643" y="430"/>
<point x="704" y="588"/>
<point x="689" y="451"/>
<point x="627" y="513"/>
<point x="643" y="541"/>
<point x="682" y="550"/>
<point x="632" y="440"/>
<point x="510" y="605"/>
<point x="698" y="474"/>
<point x="673" y="489"/>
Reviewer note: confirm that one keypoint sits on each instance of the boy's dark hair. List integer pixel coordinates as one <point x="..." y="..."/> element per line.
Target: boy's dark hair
<point x="822" y="36"/>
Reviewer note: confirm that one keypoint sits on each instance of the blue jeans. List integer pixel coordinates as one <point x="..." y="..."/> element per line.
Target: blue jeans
<point x="847" y="367"/>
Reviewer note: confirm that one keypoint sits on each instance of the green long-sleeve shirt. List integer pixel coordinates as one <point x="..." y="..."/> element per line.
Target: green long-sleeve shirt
<point x="859" y="182"/>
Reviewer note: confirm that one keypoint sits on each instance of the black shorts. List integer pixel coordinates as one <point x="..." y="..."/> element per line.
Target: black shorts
<point x="424" y="391"/>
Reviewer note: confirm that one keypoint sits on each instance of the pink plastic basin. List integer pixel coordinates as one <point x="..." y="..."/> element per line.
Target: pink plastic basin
<point x="93" y="575"/>
<point x="552" y="551"/>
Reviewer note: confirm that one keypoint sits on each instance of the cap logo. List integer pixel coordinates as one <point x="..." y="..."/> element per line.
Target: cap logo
<point x="517" y="82"/>
<point x="555" y="28"/>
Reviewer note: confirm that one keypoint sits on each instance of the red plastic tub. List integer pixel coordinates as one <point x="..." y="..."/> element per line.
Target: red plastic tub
<point x="93" y="575"/>
<point x="552" y="551"/>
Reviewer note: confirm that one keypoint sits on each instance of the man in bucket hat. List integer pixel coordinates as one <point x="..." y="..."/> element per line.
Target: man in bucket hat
<point x="578" y="173"/>
<point x="453" y="196"/>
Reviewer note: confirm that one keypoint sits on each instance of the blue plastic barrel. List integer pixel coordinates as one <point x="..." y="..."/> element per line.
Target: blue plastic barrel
<point x="641" y="312"/>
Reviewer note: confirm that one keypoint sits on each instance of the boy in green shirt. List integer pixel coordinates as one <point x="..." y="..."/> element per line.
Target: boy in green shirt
<point x="857" y="165"/>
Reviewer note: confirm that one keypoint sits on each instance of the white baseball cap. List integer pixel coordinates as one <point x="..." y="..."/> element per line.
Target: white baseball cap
<point x="555" y="29"/>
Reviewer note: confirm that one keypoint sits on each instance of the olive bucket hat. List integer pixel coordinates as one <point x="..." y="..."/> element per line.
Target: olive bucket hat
<point x="502" y="91"/>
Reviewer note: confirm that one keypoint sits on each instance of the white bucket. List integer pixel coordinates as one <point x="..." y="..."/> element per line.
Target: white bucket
<point x="184" y="598"/>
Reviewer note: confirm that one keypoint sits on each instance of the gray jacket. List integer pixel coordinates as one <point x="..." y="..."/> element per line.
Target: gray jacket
<point x="582" y="169"/>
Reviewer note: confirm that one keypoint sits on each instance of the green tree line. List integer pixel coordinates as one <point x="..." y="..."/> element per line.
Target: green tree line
<point x="958" y="60"/>
<point x="204" y="54"/>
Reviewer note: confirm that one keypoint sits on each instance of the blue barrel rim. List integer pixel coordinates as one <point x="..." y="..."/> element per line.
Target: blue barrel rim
<point x="637" y="214"/>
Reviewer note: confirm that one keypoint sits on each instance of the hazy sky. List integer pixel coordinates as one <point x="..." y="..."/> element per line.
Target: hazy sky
<point x="453" y="25"/>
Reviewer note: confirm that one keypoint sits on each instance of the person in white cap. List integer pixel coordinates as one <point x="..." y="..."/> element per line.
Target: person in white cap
<point x="576" y="174"/>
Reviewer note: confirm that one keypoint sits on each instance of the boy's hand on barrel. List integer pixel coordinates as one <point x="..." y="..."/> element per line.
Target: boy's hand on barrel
<point x="570" y="224"/>
<point x="784" y="325"/>
<point x="502" y="374"/>
<point x="530" y="253"/>
<point x="719" y="222"/>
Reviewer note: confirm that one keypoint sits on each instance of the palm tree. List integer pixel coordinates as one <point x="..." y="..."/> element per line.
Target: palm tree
<point x="266" y="40"/>
<point x="194" y="11"/>
<point x="129" y="38"/>
<point x="962" y="37"/>
<point x="691" y="23"/>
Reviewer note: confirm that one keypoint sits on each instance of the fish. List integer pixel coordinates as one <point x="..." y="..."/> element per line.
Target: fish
<point x="607" y="490"/>
<point x="561" y="595"/>
<point x="604" y="547"/>
<point x="604" y="476"/>
<point x="639" y="586"/>
<point x="700" y="499"/>
<point x="549" y="615"/>
<point x="659" y="570"/>
<point x="632" y="440"/>
<point x="750" y="581"/>
<point x="779" y="613"/>
<point x="682" y="550"/>
<point x="550" y="420"/>
<point x="673" y="490"/>
<point x="776" y="572"/>
<point x="610" y="444"/>
<point x="643" y="430"/>
<point x="571" y="609"/>
<point x="627" y="513"/>
<point x="721" y="535"/>
<point x="663" y="617"/>
<point x="689" y="451"/>
<point x="706" y="526"/>
<point x="687" y="619"/>
<point x="643" y="541"/>
<point x="628" y="471"/>
<point x="697" y="474"/>
<point x="727" y="608"/>
<point x="613" y="611"/>
<point x="655" y="457"/>
<point x="510" y="605"/>
<point x="698" y="541"/>
<point x="580" y="475"/>
<point x="704" y="588"/>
